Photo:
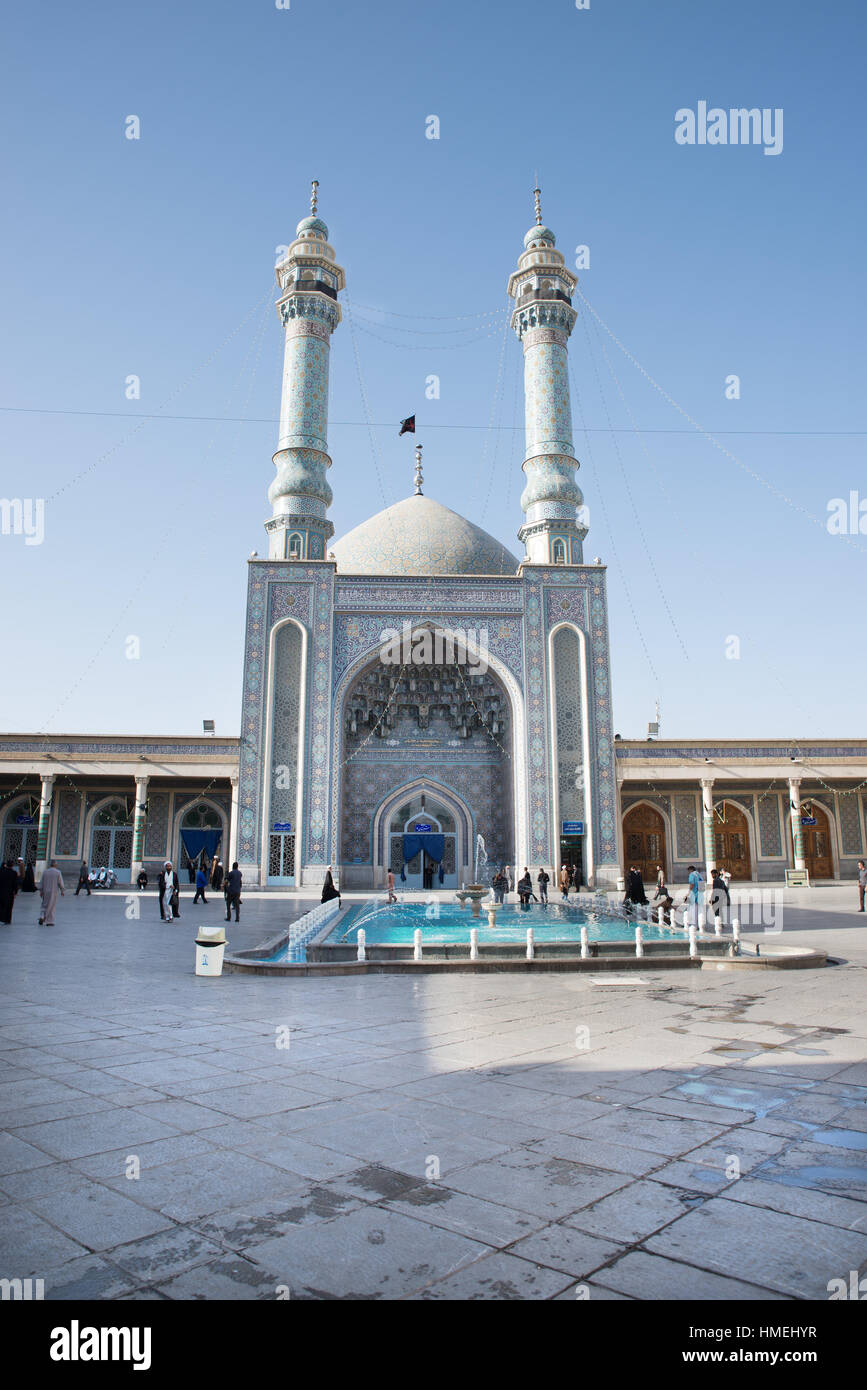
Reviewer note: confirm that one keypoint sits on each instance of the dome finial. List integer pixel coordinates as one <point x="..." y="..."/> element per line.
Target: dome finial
<point x="314" y="197"/>
<point x="418" y="475"/>
<point x="537" y="195"/>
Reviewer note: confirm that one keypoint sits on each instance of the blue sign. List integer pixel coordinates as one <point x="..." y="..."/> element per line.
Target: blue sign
<point x="422" y="829"/>
<point x="573" y="827"/>
<point x="281" y="827"/>
<point x="808" y="820"/>
<point x="25" y="820"/>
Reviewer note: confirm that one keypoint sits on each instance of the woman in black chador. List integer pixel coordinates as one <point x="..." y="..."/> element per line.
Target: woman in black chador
<point x="29" y="884"/>
<point x="634" y="888"/>
<point x="328" y="889"/>
<point x="8" y="889"/>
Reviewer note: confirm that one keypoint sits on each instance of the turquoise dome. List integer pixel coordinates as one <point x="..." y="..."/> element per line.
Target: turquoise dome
<point x="312" y="224"/>
<point x="540" y="234"/>
<point x="421" y="536"/>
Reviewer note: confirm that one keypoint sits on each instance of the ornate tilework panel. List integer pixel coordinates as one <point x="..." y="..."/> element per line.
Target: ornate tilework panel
<point x="251" y="770"/>
<point x="484" y="788"/>
<point x="357" y="633"/>
<point x="304" y="410"/>
<point x="685" y="827"/>
<point x="157" y="827"/>
<point x="290" y="601"/>
<point x="605" y="829"/>
<point x="570" y="750"/>
<point x="570" y="606"/>
<point x="850" y="825"/>
<point x="421" y="597"/>
<point x="287" y="710"/>
<point x="318" y="760"/>
<point x="68" y="816"/>
<point x="539" y="830"/>
<point x="770" y="834"/>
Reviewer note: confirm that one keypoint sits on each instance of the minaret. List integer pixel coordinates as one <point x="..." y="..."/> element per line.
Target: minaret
<point x="543" y="319"/>
<point x="309" y="279"/>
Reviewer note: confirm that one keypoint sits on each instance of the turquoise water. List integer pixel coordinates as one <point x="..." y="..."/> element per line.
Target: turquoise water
<point x="395" y="925"/>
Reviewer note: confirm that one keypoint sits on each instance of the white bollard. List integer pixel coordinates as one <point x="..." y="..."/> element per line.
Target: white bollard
<point x="585" y="948"/>
<point x="531" y="944"/>
<point x="416" y="944"/>
<point x="362" y="952"/>
<point x="693" y="943"/>
<point x="736" y="931"/>
<point x="639" y="942"/>
<point x="474" y="943"/>
<point x="702" y="920"/>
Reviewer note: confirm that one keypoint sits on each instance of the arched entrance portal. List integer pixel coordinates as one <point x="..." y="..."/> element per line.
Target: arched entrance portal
<point x="818" y="855"/>
<point x="644" y="841"/>
<point x="732" y="840"/>
<point x="21" y="830"/>
<point x="442" y="729"/>
<point x="422" y="844"/>
<point x="200" y="835"/>
<point x="111" y="839"/>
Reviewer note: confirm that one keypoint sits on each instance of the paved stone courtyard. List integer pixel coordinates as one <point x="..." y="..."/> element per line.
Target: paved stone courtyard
<point x="438" y="1137"/>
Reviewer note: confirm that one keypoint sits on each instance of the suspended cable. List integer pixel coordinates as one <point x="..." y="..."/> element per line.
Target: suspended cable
<point x="633" y="508"/>
<point x="746" y="468"/>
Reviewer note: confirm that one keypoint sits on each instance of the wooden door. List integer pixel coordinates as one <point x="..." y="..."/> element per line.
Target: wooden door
<point x="644" y="843"/>
<point x="732" y="840"/>
<point x="817" y="844"/>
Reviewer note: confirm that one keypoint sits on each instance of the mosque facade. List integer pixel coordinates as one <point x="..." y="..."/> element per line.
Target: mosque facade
<point x="489" y="730"/>
<point x="416" y="696"/>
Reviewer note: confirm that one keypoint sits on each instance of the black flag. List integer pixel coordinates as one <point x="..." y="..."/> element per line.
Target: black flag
<point x="407" y="426"/>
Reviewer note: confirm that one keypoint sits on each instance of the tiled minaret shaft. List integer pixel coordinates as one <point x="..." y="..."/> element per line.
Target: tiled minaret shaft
<point x="543" y="318"/>
<point x="309" y="279"/>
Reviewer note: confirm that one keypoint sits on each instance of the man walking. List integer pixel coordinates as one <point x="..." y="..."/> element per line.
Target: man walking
<point x="565" y="879"/>
<point x="201" y="885"/>
<point x="693" y="895"/>
<point x="169" y="891"/>
<point x="83" y="881"/>
<point x="543" y="880"/>
<point x="51" y="885"/>
<point x="862" y="883"/>
<point x="233" y="892"/>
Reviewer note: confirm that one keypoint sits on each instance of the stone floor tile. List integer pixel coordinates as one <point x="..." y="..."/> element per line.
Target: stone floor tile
<point x="369" y="1253"/>
<point x="497" y="1277"/>
<point x="771" y="1249"/>
<point x="650" y="1277"/>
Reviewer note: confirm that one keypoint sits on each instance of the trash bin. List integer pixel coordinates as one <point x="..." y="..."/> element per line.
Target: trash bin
<point x="210" y="946"/>
<point x="621" y="885"/>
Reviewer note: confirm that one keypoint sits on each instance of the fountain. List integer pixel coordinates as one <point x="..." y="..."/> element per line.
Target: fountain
<point x="474" y="892"/>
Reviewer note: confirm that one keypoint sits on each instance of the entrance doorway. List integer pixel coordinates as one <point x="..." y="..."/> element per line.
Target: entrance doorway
<point x="644" y="842"/>
<point x="731" y="841"/>
<point x="817" y="842"/>
<point x="21" y="830"/>
<point x="424" y="828"/>
<point x="281" y="858"/>
<point x="111" y="840"/>
<point x="572" y="853"/>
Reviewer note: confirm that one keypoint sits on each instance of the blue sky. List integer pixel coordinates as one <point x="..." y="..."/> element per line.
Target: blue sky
<point x="155" y="258"/>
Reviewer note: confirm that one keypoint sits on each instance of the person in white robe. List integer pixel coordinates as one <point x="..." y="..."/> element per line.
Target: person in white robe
<point x="50" y="889"/>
